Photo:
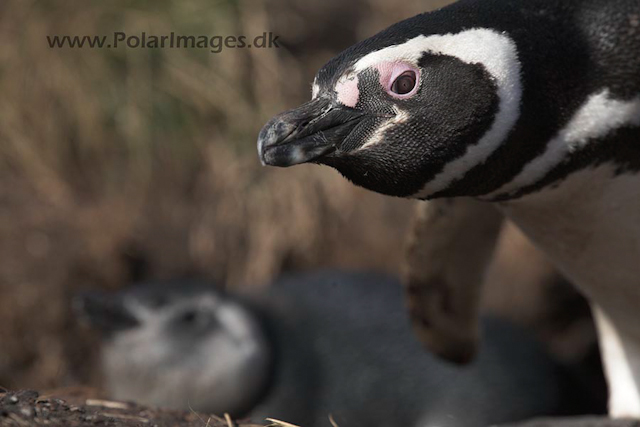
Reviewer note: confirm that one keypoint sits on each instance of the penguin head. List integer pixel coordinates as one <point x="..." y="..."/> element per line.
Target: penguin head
<point x="179" y="345"/>
<point x="404" y="113"/>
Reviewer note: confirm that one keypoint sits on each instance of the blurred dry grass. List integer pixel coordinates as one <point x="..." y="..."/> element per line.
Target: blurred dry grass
<point x="112" y="159"/>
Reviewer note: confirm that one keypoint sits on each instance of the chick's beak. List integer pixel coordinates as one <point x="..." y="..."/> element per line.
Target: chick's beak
<point x="305" y="134"/>
<point x="103" y="312"/>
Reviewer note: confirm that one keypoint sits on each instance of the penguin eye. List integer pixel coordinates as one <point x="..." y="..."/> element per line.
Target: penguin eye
<point x="194" y="319"/>
<point x="404" y="83"/>
<point x="189" y="317"/>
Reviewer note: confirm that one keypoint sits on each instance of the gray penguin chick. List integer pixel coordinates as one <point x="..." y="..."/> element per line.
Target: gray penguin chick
<point x="309" y="346"/>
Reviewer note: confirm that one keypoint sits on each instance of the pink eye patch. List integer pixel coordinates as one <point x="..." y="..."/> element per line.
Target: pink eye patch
<point x="391" y="71"/>
<point x="347" y="90"/>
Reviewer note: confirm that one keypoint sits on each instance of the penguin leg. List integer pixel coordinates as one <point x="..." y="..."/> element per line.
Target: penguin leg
<point x="450" y="246"/>
<point x="621" y="358"/>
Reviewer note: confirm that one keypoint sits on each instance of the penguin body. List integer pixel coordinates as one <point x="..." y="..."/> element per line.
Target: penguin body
<point x="314" y="345"/>
<point x="531" y="105"/>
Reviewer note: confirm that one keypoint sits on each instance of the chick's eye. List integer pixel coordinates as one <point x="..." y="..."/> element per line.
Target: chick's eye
<point x="194" y="319"/>
<point x="404" y="83"/>
<point x="189" y="317"/>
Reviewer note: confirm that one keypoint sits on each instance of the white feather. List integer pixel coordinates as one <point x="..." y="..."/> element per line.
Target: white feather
<point x="599" y="116"/>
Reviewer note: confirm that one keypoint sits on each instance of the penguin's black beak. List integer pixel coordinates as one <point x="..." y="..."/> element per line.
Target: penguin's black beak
<point x="307" y="133"/>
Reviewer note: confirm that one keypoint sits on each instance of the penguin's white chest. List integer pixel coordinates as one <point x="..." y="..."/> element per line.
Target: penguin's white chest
<point x="589" y="226"/>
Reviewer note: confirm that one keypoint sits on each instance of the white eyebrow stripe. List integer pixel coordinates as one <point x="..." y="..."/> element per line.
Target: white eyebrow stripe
<point x="596" y="118"/>
<point x="315" y="90"/>
<point x="497" y="53"/>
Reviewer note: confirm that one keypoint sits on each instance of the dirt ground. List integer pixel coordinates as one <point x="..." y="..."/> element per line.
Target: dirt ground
<point x="28" y="408"/>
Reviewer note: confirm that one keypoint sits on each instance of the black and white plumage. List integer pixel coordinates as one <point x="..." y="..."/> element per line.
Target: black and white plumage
<point x="311" y="345"/>
<point x="531" y="104"/>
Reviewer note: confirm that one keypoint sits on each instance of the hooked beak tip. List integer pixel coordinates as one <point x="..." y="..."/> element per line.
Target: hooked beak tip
<point x="276" y="133"/>
<point x="305" y="134"/>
